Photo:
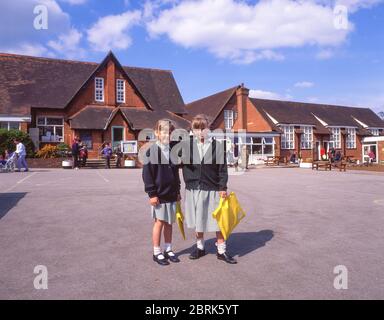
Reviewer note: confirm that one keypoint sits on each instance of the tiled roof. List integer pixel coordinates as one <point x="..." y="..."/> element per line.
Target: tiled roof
<point x="51" y="83"/>
<point x="287" y="112"/>
<point x="211" y="105"/>
<point x="98" y="117"/>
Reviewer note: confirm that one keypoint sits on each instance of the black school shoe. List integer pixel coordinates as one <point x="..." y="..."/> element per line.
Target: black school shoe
<point x="226" y="257"/>
<point x="196" y="254"/>
<point x="162" y="262"/>
<point x="172" y="258"/>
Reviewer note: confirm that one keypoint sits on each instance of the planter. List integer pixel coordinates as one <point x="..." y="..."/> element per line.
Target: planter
<point x="129" y="163"/>
<point x="305" y="165"/>
<point x="66" y="164"/>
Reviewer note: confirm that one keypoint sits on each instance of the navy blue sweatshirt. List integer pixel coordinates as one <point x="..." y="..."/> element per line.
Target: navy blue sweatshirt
<point x="160" y="180"/>
<point x="209" y="173"/>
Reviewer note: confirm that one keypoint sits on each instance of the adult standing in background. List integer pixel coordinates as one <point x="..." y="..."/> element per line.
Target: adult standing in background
<point x="75" y="153"/>
<point x="21" y="154"/>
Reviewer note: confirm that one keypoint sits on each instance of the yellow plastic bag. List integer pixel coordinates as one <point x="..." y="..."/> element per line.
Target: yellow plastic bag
<point x="228" y="214"/>
<point x="180" y="219"/>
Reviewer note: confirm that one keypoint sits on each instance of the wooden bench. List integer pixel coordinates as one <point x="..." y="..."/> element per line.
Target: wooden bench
<point x="275" y="160"/>
<point x="342" y="165"/>
<point x="322" y="164"/>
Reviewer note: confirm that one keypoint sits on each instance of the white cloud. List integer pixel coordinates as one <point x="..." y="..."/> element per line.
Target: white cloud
<point x="304" y="84"/>
<point x="354" y="5"/>
<point x="19" y="36"/>
<point x="74" y="2"/>
<point x="112" y="32"/>
<point x="238" y="30"/>
<point x="29" y="49"/>
<point x="261" y="94"/>
<point x="68" y="44"/>
<point x="324" y="54"/>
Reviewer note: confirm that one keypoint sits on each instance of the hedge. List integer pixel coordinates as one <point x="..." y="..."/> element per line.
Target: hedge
<point x="6" y="141"/>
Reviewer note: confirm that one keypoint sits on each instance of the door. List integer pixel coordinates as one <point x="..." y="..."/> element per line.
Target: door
<point x="117" y="136"/>
<point x="366" y="150"/>
<point x="326" y="148"/>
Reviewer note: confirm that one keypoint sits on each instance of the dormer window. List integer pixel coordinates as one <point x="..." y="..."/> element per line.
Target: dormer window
<point x="228" y="119"/>
<point x="99" y="89"/>
<point x="120" y="91"/>
<point x="351" y="138"/>
<point x="335" y="138"/>
<point x="374" y="132"/>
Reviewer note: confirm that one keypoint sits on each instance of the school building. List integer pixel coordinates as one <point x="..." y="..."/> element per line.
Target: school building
<point x="55" y="100"/>
<point x="279" y="128"/>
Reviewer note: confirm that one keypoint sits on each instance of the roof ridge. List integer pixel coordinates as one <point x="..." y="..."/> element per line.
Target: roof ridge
<point x="152" y="69"/>
<point x="313" y="103"/>
<point x="175" y="115"/>
<point x="212" y="95"/>
<point x="15" y="55"/>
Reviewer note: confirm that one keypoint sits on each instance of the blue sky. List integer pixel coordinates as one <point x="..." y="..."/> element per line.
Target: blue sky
<point x="280" y="49"/>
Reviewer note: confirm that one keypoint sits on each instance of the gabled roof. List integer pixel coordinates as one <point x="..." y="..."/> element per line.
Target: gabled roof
<point x="158" y="87"/>
<point x="92" y="117"/>
<point x="211" y="105"/>
<point x="139" y="118"/>
<point x="51" y="83"/>
<point x="99" y="117"/>
<point x="287" y="112"/>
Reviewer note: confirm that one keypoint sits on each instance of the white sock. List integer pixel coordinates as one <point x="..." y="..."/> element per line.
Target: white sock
<point x="157" y="252"/>
<point x="200" y="243"/>
<point x="221" y="248"/>
<point x="168" y="248"/>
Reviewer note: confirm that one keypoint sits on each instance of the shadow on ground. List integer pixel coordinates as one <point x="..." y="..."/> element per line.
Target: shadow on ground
<point x="238" y="244"/>
<point x="8" y="201"/>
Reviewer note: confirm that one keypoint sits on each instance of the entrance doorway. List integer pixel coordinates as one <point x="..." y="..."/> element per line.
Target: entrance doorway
<point x="367" y="148"/>
<point x="322" y="148"/>
<point x="117" y="136"/>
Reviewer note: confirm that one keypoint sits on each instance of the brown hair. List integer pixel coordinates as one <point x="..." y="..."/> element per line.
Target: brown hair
<point x="160" y="124"/>
<point x="200" y="121"/>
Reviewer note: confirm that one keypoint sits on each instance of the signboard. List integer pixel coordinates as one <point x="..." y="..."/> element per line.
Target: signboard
<point x="129" y="146"/>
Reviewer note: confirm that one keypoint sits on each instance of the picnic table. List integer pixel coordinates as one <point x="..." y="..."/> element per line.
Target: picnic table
<point x="326" y="164"/>
<point x="275" y="160"/>
<point x="342" y="165"/>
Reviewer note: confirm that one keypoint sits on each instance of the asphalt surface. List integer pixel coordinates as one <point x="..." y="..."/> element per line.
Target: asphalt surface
<point x="92" y="230"/>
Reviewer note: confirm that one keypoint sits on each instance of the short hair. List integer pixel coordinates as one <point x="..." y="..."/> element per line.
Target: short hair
<point x="164" y="123"/>
<point x="200" y="121"/>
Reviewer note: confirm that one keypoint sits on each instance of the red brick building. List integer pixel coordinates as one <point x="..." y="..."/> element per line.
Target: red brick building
<point x="56" y="100"/>
<point x="279" y="128"/>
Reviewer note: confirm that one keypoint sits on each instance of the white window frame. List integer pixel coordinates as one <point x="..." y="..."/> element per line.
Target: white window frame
<point x="50" y="125"/>
<point x="307" y="138"/>
<point x="288" y="137"/>
<point x="99" y="89"/>
<point x="120" y="91"/>
<point x="228" y="119"/>
<point x="9" y="125"/>
<point x="335" y="138"/>
<point x="351" y="138"/>
<point x="374" y="131"/>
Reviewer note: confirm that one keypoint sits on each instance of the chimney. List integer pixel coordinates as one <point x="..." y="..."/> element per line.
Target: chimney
<point x="242" y="95"/>
<point x="110" y="84"/>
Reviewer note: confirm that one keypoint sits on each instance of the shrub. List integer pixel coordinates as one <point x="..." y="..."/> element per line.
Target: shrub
<point x="63" y="150"/>
<point x="6" y="141"/>
<point x="47" y="152"/>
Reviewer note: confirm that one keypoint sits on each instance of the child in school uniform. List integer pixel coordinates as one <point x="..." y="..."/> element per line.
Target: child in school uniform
<point x="206" y="175"/>
<point x="162" y="183"/>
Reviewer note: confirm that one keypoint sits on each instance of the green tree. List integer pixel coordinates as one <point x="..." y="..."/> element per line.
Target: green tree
<point x="6" y="141"/>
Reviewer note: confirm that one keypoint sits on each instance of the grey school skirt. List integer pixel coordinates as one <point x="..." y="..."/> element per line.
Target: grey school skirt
<point x="199" y="206"/>
<point x="165" y="212"/>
